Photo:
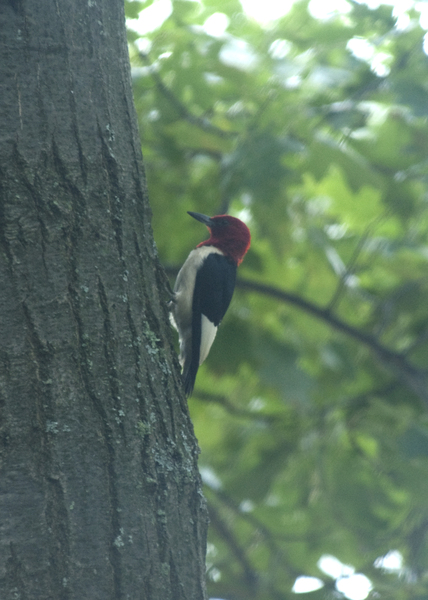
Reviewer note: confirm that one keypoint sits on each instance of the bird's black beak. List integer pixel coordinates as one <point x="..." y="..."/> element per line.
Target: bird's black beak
<point x="202" y="218"/>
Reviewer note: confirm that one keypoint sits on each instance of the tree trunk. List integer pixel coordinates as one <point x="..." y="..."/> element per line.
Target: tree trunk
<point x="100" y="495"/>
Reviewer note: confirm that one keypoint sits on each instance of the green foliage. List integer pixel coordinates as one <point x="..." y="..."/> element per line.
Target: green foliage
<point x="311" y="410"/>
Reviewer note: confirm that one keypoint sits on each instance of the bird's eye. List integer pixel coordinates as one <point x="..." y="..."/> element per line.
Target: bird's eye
<point x="222" y="222"/>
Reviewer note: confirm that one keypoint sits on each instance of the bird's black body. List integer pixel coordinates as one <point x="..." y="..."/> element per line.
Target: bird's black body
<point x="213" y="291"/>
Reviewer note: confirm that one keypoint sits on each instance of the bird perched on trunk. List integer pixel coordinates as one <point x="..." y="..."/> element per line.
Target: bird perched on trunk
<point x="204" y="288"/>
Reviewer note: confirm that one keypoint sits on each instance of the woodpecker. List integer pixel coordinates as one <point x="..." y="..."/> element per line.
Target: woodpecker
<point x="204" y="288"/>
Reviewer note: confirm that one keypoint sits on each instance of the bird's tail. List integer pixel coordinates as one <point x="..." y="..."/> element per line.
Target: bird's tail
<point x="189" y="376"/>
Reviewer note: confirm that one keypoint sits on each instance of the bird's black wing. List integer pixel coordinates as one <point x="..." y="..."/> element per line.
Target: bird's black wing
<point x="214" y="286"/>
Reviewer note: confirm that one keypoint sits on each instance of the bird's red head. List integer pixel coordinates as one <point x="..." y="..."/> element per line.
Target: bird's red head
<point x="228" y="234"/>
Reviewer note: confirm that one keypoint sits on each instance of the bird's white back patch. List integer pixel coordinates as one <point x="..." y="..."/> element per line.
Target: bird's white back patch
<point x="208" y="333"/>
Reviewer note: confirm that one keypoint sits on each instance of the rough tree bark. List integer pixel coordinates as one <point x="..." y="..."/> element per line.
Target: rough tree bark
<point x="99" y="491"/>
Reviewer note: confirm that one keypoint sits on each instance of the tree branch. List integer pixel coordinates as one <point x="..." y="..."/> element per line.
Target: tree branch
<point x="182" y="110"/>
<point x="250" y="575"/>
<point x="236" y="411"/>
<point x="416" y="379"/>
<point x="349" y="270"/>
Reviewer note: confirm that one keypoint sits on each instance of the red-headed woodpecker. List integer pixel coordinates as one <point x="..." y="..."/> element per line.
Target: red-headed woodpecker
<point x="204" y="289"/>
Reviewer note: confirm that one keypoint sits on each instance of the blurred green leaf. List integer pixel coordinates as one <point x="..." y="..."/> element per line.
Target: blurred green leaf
<point x="311" y="407"/>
